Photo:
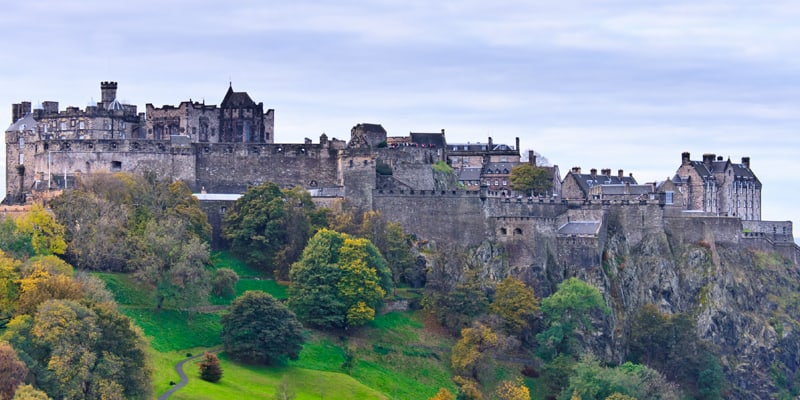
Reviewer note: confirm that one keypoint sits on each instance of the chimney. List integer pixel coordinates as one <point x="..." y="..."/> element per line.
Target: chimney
<point x="685" y="158"/>
<point x="746" y="162"/>
<point x="719" y="158"/>
<point x="576" y="170"/>
<point x="708" y="159"/>
<point x="531" y="158"/>
<point x="442" y="131"/>
<point x="20" y="110"/>
<point x="108" y="93"/>
<point x="593" y="171"/>
<point x="517" y="148"/>
<point x="491" y="145"/>
<point x="50" y="107"/>
<point x="620" y="174"/>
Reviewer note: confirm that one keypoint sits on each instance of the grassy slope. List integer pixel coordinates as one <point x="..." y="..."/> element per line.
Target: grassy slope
<point x="395" y="356"/>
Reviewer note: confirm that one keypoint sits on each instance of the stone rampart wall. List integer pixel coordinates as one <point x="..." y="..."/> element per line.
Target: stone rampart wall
<point x="695" y="229"/>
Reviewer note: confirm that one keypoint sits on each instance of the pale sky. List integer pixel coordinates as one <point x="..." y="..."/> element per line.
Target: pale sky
<point x="597" y="84"/>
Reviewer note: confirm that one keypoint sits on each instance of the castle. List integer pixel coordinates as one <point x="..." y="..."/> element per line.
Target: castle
<point x="221" y="150"/>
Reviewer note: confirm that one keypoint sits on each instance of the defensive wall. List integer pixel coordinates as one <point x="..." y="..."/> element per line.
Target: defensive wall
<point x="232" y="167"/>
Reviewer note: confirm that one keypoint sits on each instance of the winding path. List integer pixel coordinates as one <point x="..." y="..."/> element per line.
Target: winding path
<point x="184" y="380"/>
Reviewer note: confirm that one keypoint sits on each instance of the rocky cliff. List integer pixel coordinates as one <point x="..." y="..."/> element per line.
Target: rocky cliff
<point x="744" y="298"/>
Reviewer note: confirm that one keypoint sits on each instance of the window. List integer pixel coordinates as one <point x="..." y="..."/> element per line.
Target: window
<point x="81" y="125"/>
<point x="116" y="166"/>
<point x="668" y="197"/>
<point x="63" y="126"/>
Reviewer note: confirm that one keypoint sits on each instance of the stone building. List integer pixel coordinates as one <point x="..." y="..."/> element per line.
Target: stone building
<point x="578" y="186"/>
<point x="718" y="186"/>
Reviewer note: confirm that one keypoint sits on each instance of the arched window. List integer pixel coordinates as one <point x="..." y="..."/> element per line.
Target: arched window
<point x="503" y="231"/>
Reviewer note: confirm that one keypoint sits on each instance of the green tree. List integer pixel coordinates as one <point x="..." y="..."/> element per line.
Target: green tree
<point x="515" y="303"/>
<point x="339" y="281"/>
<point x="269" y="227"/>
<point x="530" y="180"/>
<point x="47" y="235"/>
<point x="393" y="243"/>
<point x="458" y="307"/>
<point x="225" y="280"/>
<point x="9" y="287"/>
<point x="12" y="371"/>
<point x="210" y="369"/>
<point x="591" y="380"/>
<point x="14" y="242"/>
<point x="173" y="261"/>
<point x="260" y="329"/>
<point x="566" y="310"/>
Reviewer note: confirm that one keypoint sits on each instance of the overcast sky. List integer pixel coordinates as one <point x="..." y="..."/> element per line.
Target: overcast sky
<point x="597" y="84"/>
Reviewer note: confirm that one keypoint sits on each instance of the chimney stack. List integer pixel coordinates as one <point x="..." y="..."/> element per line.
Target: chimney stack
<point x="746" y="162"/>
<point x="708" y="159"/>
<point x="685" y="158"/>
<point x="517" y="148"/>
<point x="593" y="171"/>
<point x="532" y="158"/>
<point x="620" y="173"/>
<point x="576" y="170"/>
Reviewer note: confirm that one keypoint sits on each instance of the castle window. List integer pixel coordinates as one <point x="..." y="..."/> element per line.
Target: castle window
<point x="63" y="126"/>
<point x="503" y="231"/>
<point x="223" y="210"/>
<point x="116" y="166"/>
<point x="81" y="125"/>
<point x="517" y="231"/>
<point x="668" y="197"/>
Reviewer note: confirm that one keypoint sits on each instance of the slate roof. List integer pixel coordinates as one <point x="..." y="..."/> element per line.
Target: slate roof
<point x="499" y="167"/>
<point x="587" y="181"/>
<point x="620" y="189"/>
<point x="740" y="171"/>
<point x="236" y="99"/>
<point x="469" y="174"/>
<point x="26" y="123"/>
<point x="428" y="139"/>
<point x="372" y="127"/>
<point x="580" y="228"/>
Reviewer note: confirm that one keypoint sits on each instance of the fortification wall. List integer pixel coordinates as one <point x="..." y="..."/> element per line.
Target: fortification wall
<point x="75" y="157"/>
<point x="231" y="168"/>
<point x="508" y="207"/>
<point x="695" y="229"/>
<point x="450" y="216"/>
<point x="411" y="165"/>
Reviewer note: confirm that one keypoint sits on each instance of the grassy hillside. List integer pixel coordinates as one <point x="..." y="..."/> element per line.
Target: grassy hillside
<point x="393" y="357"/>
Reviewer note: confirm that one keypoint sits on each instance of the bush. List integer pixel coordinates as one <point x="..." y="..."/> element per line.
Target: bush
<point x="225" y="280"/>
<point x="210" y="369"/>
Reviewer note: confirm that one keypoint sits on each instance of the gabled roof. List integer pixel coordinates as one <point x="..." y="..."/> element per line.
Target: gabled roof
<point x="26" y="123"/>
<point x="236" y="99"/>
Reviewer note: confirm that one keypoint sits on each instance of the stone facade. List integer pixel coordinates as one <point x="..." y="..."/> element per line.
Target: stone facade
<point x="719" y="186"/>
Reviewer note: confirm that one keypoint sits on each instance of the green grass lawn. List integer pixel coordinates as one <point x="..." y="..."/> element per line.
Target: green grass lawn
<point x="394" y="356"/>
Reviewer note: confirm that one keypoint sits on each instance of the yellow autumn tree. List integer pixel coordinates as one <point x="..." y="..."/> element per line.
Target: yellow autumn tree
<point x="47" y="235"/>
<point x="473" y="350"/>
<point x="515" y="303"/>
<point x="508" y="390"/>
<point x="443" y="394"/>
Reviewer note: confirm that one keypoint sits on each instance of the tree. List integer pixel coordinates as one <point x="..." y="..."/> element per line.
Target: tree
<point x="508" y="390"/>
<point x="28" y="392"/>
<point x="393" y="243"/>
<point x="566" y="310"/>
<point x="515" y="303"/>
<point x="339" y="281"/>
<point x="225" y="280"/>
<point x="210" y="370"/>
<point x="472" y="354"/>
<point x="9" y="287"/>
<point x="443" y="394"/>
<point x="530" y="180"/>
<point x="14" y="242"/>
<point x="260" y="329"/>
<point x="12" y="371"/>
<point x="47" y="235"/>
<point x="173" y="261"/>
<point x="269" y="227"/>
<point x="591" y="380"/>
<point x="457" y="308"/>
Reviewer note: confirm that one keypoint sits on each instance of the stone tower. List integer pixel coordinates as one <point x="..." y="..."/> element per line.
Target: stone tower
<point x="108" y="93"/>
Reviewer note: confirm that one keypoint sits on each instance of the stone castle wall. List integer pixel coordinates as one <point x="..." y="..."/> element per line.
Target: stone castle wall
<point x="231" y="168"/>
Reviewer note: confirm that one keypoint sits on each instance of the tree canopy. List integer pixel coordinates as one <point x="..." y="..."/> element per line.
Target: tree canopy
<point x="268" y="226"/>
<point x="260" y="329"/>
<point x="530" y="180"/>
<point x="339" y="281"/>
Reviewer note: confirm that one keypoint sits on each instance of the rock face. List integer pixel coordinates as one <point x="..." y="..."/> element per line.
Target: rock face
<point x="745" y="299"/>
